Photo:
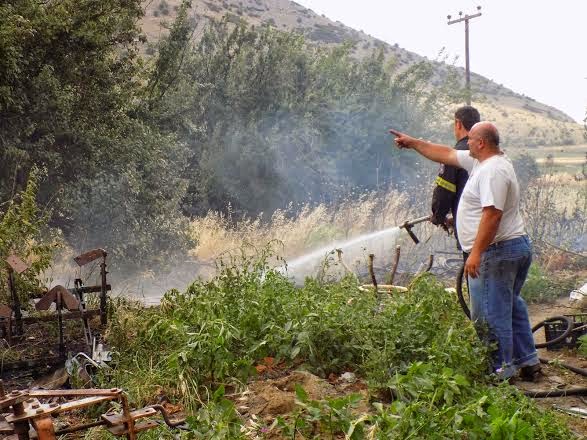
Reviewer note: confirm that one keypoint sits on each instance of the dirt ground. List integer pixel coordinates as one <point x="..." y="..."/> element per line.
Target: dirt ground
<point x="556" y="377"/>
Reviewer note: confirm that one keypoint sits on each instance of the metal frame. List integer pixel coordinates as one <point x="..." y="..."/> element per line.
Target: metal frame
<point x="32" y="413"/>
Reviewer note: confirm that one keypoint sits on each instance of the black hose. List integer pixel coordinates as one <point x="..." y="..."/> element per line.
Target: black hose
<point x="559" y="338"/>
<point x="460" y="296"/>
<point x="165" y="415"/>
<point x="557" y="393"/>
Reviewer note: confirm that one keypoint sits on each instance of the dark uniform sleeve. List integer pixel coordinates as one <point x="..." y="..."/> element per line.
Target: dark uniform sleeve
<point x="444" y="194"/>
<point x="449" y="186"/>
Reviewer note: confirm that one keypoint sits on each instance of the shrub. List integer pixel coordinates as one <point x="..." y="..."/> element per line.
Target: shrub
<point x="215" y="331"/>
<point x="542" y="288"/>
<point x="24" y="232"/>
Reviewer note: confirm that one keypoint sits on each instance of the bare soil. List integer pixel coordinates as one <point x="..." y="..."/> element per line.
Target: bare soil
<point x="556" y="377"/>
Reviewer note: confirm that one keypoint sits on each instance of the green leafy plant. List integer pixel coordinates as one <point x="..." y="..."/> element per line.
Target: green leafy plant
<point x="24" y="233"/>
<point x="541" y="287"/>
<point x="322" y="418"/>
<point x="416" y="346"/>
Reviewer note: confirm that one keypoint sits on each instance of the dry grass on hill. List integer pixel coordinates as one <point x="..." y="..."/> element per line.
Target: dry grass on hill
<point x="524" y="122"/>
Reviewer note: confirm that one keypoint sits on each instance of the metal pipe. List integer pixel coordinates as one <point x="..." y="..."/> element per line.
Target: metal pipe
<point x="15" y="302"/>
<point x="128" y="420"/>
<point x="80" y="427"/>
<point x="103" y="272"/>
<point x="411" y="223"/>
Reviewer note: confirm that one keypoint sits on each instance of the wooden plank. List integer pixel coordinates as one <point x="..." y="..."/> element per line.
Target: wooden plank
<point x="17" y="264"/>
<point x="89" y="256"/>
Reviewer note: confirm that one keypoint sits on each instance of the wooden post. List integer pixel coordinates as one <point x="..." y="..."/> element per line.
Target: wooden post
<point x="466" y="19"/>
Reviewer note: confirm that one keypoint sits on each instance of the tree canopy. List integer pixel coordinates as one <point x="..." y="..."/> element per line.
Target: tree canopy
<point x="248" y="117"/>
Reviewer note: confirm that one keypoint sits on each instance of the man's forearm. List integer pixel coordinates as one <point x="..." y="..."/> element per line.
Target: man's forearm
<point x="488" y="226"/>
<point x="436" y="152"/>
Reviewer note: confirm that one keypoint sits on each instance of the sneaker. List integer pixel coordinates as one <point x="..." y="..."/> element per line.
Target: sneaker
<point x="531" y="373"/>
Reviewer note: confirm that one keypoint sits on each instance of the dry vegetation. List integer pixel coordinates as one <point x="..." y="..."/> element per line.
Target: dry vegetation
<point x="309" y="228"/>
<point x="523" y="128"/>
<point x="554" y="207"/>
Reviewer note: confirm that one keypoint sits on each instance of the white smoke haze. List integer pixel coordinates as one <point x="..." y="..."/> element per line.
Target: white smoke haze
<point x="307" y="239"/>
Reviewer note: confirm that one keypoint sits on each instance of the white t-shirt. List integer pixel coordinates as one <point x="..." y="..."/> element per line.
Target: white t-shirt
<point x="492" y="182"/>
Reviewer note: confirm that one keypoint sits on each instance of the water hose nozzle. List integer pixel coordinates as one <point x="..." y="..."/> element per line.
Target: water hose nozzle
<point x="409" y="224"/>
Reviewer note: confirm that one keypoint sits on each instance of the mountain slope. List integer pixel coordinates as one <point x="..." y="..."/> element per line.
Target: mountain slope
<point x="523" y="120"/>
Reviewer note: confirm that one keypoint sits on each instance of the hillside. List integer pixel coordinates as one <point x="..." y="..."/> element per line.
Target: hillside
<point x="524" y="121"/>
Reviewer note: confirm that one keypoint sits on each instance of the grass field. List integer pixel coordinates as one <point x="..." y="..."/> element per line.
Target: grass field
<point x="570" y="159"/>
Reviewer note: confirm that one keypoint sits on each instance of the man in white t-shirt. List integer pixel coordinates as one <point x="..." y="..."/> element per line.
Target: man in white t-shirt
<point x="491" y="232"/>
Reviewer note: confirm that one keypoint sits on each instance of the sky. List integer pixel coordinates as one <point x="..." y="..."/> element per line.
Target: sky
<point x="535" y="48"/>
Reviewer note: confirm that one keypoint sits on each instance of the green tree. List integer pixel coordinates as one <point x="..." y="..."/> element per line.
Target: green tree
<point x="270" y="119"/>
<point x="70" y="102"/>
<point x="23" y="232"/>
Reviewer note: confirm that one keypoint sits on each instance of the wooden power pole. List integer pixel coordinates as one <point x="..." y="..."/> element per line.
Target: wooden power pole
<point x="466" y="19"/>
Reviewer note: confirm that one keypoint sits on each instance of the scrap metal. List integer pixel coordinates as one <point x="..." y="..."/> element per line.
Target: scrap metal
<point x="71" y="301"/>
<point x="27" y="414"/>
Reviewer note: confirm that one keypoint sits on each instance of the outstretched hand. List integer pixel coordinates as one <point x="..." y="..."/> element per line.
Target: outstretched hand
<point x="402" y="140"/>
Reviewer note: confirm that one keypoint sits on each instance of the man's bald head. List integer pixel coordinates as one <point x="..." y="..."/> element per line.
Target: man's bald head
<point x="487" y="131"/>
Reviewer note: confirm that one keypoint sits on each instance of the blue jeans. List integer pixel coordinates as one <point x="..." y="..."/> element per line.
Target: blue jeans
<point x="497" y="309"/>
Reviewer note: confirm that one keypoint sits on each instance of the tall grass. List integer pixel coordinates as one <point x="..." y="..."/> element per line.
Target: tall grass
<point x="554" y="208"/>
<point x="302" y="229"/>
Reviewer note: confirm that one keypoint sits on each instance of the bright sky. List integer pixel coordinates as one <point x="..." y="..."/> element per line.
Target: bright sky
<point x="536" y="48"/>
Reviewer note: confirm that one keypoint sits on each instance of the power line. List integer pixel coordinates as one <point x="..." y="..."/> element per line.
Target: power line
<point x="466" y="19"/>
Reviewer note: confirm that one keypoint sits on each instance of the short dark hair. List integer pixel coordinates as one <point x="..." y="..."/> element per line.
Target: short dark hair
<point x="468" y="116"/>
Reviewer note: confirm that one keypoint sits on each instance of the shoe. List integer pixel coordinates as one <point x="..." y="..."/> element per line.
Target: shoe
<point x="501" y="375"/>
<point x="531" y="373"/>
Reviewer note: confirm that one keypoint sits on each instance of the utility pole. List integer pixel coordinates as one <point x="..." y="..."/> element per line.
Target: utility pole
<point x="466" y="19"/>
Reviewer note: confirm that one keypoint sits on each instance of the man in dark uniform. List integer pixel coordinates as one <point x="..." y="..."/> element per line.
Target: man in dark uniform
<point x="451" y="180"/>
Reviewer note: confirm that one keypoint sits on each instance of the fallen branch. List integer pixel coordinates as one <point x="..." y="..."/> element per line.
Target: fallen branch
<point x="567" y="251"/>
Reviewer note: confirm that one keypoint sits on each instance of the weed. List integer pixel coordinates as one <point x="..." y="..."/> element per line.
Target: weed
<point x="542" y="288"/>
<point x="431" y="413"/>
<point x="418" y="345"/>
